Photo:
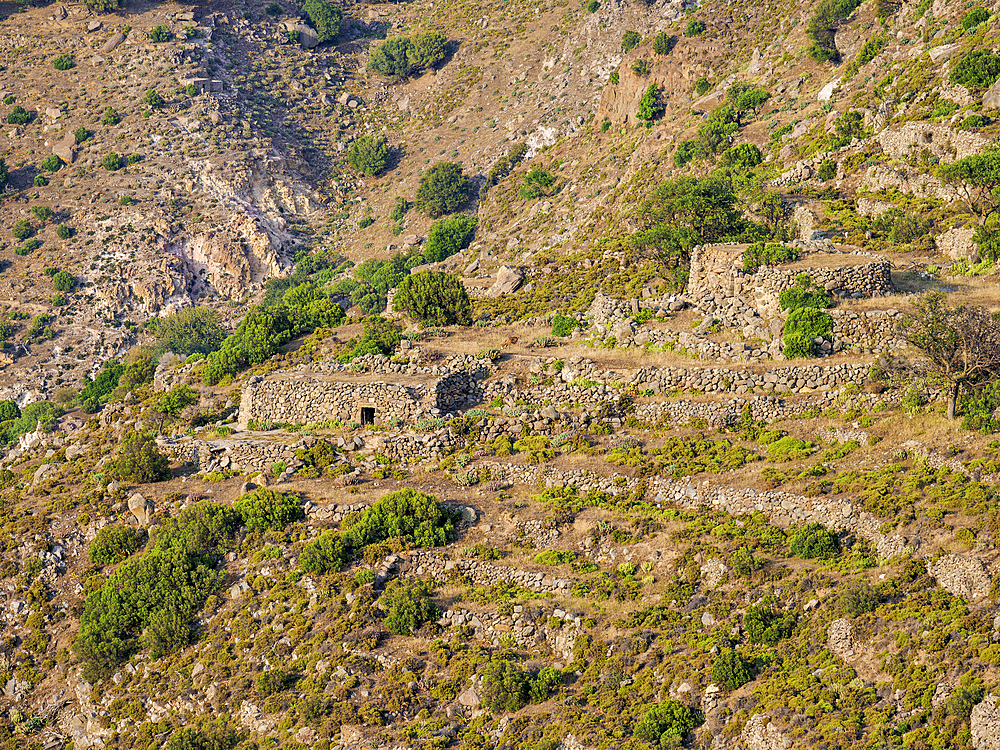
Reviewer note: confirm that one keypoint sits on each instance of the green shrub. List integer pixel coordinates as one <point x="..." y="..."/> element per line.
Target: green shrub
<point x="110" y="116"/>
<point x="115" y="543"/>
<point x="745" y="97"/>
<point x="51" y="163"/>
<point x="64" y="232"/>
<point x="380" y="336"/>
<point x="104" y="6"/>
<point x="663" y="43"/>
<point x="64" y="281"/>
<point x="827" y="170"/>
<point x="138" y="459"/>
<point x="822" y="28"/>
<point x="814" y="542"/>
<point x="743" y="562"/>
<point x="189" y="331"/>
<point x="267" y="510"/>
<point x="64" y="62"/>
<point x="427" y="49"/>
<point x="804" y="294"/>
<point x="858" y="598"/>
<point x="407" y="606"/>
<point x="974" y="17"/>
<point x="593" y="6"/>
<point x="22" y="229"/>
<point x="766" y="626"/>
<point x="630" y="40"/>
<point x="564" y="325"/>
<point x="159" y="34"/>
<point x="447" y="236"/>
<point x="537" y="182"/>
<point x="153" y="100"/>
<point x="809" y="321"/>
<point x="505" y="687"/>
<point x="797" y="346"/>
<point x="112" y="162"/>
<point x="641" y="67"/>
<point x="667" y="721"/>
<point x="42" y="213"/>
<point x="978" y="69"/>
<point x="410" y="516"/>
<point x="731" y="669"/>
<point x="789" y="448"/>
<point x="650" y="105"/>
<point x="271" y="681"/>
<point x="702" y="86"/>
<point x="434" y="298"/>
<point x="401" y="56"/>
<point x="369" y="154"/>
<point x="19" y="116"/>
<point x="9" y="410"/>
<point x="443" y="189"/>
<point x="325" y="554"/>
<point x="555" y="557"/>
<point x="325" y="18"/>
<point x="695" y="27"/>
<point x="764" y="254"/>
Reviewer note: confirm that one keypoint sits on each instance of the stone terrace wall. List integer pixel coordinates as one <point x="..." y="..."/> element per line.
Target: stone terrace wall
<point x="717" y="274"/>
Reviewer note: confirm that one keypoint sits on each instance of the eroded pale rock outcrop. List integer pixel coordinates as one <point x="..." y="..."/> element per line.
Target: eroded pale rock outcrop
<point x="966" y="577"/>
<point x="985" y="724"/>
<point x="757" y="735"/>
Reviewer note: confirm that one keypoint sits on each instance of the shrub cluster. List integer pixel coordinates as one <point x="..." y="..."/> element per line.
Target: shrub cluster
<point x="802" y="327"/>
<point x="407" y="605"/>
<point x="822" y="28"/>
<point x="765" y="625"/>
<point x="804" y="294"/>
<point x="434" y="298"/>
<point x="814" y="542"/>
<point x="115" y="543"/>
<point x="507" y="688"/>
<point x="267" y="510"/>
<point x="138" y="459"/>
<point x="765" y="254"/>
<point x="369" y="154"/>
<point x="666" y="723"/>
<point x="443" y="189"/>
<point x="447" y="236"/>
<point x="325" y="18"/>
<point x="402" y="56"/>
<point x="979" y="69"/>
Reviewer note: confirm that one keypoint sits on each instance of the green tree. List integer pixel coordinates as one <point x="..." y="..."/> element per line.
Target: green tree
<point x="443" y="189"/>
<point x="177" y="399"/>
<point x="407" y="606"/>
<point x="19" y="116"/>
<point x="731" y="669"/>
<point x="112" y="162"/>
<point x="392" y="58"/>
<point x="961" y="342"/>
<point x="190" y="331"/>
<point x="650" y="106"/>
<point x="325" y="18"/>
<point x="447" y="236"/>
<point x="369" y="154"/>
<point x="434" y="298"/>
<point x="814" y="542"/>
<point x="695" y="27"/>
<point x="153" y="100"/>
<point x="663" y="43"/>
<point x="977" y="179"/>
<point x="138" y="459"/>
<point x="8" y="411"/>
<point x="51" y="163"/>
<point x="110" y="116"/>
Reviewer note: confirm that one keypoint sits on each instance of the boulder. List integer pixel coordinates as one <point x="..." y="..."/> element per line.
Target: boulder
<point x="94" y="26"/>
<point x="991" y="99"/>
<point x="113" y="42"/>
<point x="944" y="52"/>
<point x="141" y="508"/>
<point x="64" y="149"/>
<point x="307" y="34"/>
<point x="508" y="281"/>
<point x="470" y="698"/>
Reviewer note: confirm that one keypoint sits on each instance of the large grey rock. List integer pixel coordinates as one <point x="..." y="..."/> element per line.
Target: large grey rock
<point x="991" y="99"/>
<point x="470" y="698"/>
<point x="944" y="52"/>
<point x="141" y="508"/>
<point x="508" y="281"/>
<point x="113" y="42"/>
<point x="64" y="149"/>
<point x="985" y="724"/>
<point x="307" y="34"/>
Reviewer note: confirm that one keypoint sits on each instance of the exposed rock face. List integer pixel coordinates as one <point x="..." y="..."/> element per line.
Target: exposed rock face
<point x="991" y="99"/>
<point x="148" y="283"/>
<point x="966" y="577"/>
<point x="985" y="725"/>
<point x="840" y="638"/>
<point x="712" y="572"/>
<point x="957" y="244"/>
<point x="758" y="736"/>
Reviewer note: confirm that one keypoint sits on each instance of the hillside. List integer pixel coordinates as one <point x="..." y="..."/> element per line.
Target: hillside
<point x="532" y="375"/>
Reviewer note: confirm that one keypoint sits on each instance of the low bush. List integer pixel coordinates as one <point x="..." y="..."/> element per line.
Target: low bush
<point x="804" y="294"/>
<point x="50" y="163"/>
<point x="764" y="254"/>
<point x="112" y="162"/>
<point x="666" y="723"/>
<point x="789" y="448"/>
<point x="110" y="116"/>
<point x="115" y="543"/>
<point x="64" y="281"/>
<point x="663" y="43"/>
<point x="731" y="669"/>
<point x="190" y="331"/>
<point x="408" y="606"/>
<point x="326" y="554"/>
<point x="766" y="626"/>
<point x="978" y="69"/>
<point x="22" y="229"/>
<point x="630" y="40"/>
<point x="974" y="17"/>
<point x="506" y="688"/>
<point x="447" y="236"/>
<point x="743" y="562"/>
<point x="159" y="34"/>
<point x="695" y="27"/>
<point x="42" y="213"/>
<point x="537" y="183"/>
<point x="814" y="542"/>
<point x="858" y="598"/>
<point x="402" y="56"/>
<point x="19" y="116"/>
<point x="267" y="510"/>
<point x="64" y="62"/>
<point x="369" y="154"/>
<point x="564" y="325"/>
<point x="443" y="189"/>
<point x="138" y="460"/>
<point x="412" y="517"/>
<point x="325" y="18"/>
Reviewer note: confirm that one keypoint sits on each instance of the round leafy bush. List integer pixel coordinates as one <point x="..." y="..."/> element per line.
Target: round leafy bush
<point x="980" y="68"/>
<point x="159" y="34"/>
<point x="415" y="518"/>
<point x="663" y="43"/>
<point x="271" y="681"/>
<point x="22" y="229"/>
<point x="593" y="6"/>
<point x="18" y="116"/>
<point x="434" y="298"/>
<point x="64" y="281"/>
<point x="695" y="27"/>
<point x="51" y="163"/>
<point x="267" y="510"/>
<point x="189" y="331"/>
<point x="110" y="117"/>
<point x="630" y="40"/>
<point x="407" y="607"/>
<point x="702" y="86"/>
<point x="827" y="170"/>
<point x="427" y="49"/>
<point x="8" y="411"/>
<point x="64" y="232"/>
<point x="369" y="154"/>
<point x="112" y="162"/>
<point x="153" y="100"/>
<point x="814" y="542"/>
<point x="325" y="554"/>
<point x="974" y="17"/>
<point x="391" y="58"/>
<point x="447" y="236"/>
<point x="63" y="62"/>
<point x="42" y="213"/>
<point x="732" y="670"/>
<point x="650" y="105"/>
<point x="564" y="325"/>
<point x="744" y="562"/>
<point x="114" y="543"/>
<point x="797" y="346"/>
<point x="859" y="597"/>
<point x="443" y="189"/>
<point x="139" y="459"/>
<point x="667" y="720"/>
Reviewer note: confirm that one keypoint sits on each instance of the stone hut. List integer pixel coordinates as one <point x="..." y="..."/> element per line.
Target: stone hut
<point x="380" y="399"/>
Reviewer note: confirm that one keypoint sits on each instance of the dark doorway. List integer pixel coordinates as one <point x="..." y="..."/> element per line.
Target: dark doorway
<point x="367" y="415"/>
